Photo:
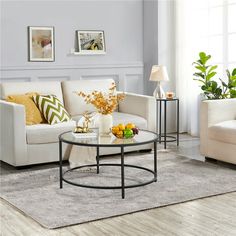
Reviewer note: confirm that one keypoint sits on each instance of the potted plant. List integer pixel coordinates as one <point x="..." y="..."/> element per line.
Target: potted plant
<point x="213" y="89"/>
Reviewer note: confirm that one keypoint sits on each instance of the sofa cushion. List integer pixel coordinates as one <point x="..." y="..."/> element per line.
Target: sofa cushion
<point x="32" y="114"/>
<point x="45" y="133"/>
<point x="223" y="132"/>
<point x="75" y="104"/>
<point x="52" y="108"/>
<point x="44" y="88"/>
<point x="125" y="118"/>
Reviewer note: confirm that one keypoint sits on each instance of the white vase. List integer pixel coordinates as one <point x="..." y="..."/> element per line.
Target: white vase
<point x="105" y="123"/>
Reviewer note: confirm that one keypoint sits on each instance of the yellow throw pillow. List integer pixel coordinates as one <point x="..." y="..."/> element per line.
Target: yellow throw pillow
<point x="33" y="114"/>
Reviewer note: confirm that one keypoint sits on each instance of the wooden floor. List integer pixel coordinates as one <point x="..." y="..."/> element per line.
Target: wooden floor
<point x="208" y="216"/>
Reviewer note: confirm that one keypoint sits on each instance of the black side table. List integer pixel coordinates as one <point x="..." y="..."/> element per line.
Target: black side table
<point x="159" y="102"/>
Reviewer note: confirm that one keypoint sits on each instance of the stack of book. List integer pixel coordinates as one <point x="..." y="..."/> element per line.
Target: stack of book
<point x="91" y="134"/>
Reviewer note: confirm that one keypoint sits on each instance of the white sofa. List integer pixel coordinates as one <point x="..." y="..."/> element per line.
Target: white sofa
<point x="218" y="129"/>
<point x="25" y="145"/>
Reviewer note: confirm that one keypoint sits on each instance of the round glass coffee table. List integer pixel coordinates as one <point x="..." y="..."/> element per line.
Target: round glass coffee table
<point x="144" y="137"/>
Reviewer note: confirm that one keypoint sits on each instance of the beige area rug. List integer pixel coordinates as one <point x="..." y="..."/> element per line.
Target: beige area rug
<point x="37" y="193"/>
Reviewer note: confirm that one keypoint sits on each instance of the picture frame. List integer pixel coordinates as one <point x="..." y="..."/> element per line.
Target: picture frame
<point x="91" y="42"/>
<point x="41" y="44"/>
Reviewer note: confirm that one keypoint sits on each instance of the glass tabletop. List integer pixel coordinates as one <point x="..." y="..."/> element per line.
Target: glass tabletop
<point x="143" y="137"/>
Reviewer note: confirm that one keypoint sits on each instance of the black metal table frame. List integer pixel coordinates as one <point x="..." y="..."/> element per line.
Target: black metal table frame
<point x="122" y="165"/>
<point x="159" y="121"/>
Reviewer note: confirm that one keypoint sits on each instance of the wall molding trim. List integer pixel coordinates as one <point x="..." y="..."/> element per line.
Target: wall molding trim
<point x="74" y="67"/>
<point x="128" y="76"/>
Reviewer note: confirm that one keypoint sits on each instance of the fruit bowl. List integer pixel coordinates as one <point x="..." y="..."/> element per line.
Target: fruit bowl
<point x="123" y="131"/>
<point x="123" y="137"/>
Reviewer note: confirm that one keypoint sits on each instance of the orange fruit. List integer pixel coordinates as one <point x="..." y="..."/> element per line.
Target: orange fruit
<point x="130" y="126"/>
<point x="119" y="134"/>
<point x="115" y="129"/>
<point x="121" y="127"/>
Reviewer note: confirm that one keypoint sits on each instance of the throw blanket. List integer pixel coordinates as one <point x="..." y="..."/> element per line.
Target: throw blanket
<point x="81" y="155"/>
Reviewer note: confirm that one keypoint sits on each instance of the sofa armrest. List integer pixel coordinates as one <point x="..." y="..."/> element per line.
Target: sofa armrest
<point x="211" y="113"/>
<point x="13" y="133"/>
<point x="140" y="105"/>
<point x="219" y="110"/>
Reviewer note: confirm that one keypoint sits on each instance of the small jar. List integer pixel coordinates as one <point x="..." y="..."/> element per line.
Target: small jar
<point x="170" y="95"/>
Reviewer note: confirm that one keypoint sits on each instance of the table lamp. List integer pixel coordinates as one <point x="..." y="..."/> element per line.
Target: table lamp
<point x="159" y="73"/>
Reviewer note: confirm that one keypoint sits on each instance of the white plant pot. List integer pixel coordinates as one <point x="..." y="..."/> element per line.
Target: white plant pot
<point x="105" y="123"/>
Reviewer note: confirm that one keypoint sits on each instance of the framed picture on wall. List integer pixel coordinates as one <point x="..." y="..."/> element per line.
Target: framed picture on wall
<point x="41" y="43"/>
<point x="91" y="42"/>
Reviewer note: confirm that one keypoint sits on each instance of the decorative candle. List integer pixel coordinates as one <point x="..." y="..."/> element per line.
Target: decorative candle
<point x="170" y="95"/>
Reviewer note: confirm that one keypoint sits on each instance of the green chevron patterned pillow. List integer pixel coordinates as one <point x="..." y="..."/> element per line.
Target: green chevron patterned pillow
<point x="51" y="108"/>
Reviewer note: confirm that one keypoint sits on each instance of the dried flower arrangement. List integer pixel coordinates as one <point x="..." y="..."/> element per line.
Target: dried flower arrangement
<point x="105" y="103"/>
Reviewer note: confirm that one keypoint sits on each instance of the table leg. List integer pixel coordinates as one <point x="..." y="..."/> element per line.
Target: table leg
<point x="97" y="159"/>
<point x="155" y="160"/>
<point x="60" y="160"/>
<point x="177" y="122"/>
<point x="122" y="173"/>
<point x="159" y="121"/>
<point x="157" y="117"/>
<point x="165" y="124"/>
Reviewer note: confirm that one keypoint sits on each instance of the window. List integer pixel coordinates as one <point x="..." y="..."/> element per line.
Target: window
<point x="222" y="33"/>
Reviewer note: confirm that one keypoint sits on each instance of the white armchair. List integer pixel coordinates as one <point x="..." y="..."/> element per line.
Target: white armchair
<point x="218" y="129"/>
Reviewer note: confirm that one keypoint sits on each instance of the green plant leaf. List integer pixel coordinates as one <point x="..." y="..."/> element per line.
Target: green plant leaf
<point x="202" y="55"/>
<point x="200" y="62"/>
<point x="201" y="68"/>
<point x="212" y="68"/>
<point x="234" y="72"/>
<point x="209" y="76"/>
<point x="199" y="75"/>
<point x="214" y="85"/>
<point x="232" y="93"/>
<point x="233" y="83"/>
<point x="197" y="63"/>
<point x="218" y="91"/>
<point x="199" y="80"/>
<point x="224" y="84"/>
<point x="208" y="57"/>
<point x="204" y="58"/>
<point x="228" y="74"/>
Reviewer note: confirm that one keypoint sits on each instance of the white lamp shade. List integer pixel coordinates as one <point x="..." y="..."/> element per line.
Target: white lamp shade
<point x="159" y="73"/>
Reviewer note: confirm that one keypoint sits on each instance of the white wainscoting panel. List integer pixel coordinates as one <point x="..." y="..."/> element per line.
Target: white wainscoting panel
<point x="128" y="77"/>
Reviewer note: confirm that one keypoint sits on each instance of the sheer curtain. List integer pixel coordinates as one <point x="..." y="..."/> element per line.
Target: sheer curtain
<point x="201" y="25"/>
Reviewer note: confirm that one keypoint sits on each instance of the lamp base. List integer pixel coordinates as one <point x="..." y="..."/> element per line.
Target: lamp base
<point x="159" y="92"/>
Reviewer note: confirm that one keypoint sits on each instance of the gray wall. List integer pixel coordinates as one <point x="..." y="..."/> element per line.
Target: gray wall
<point x="122" y="22"/>
<point x="135" y="40"/>
<point x="150" y="42"/>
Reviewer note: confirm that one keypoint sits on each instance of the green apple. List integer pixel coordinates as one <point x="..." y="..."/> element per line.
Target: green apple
<point x="128" y="133"/>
